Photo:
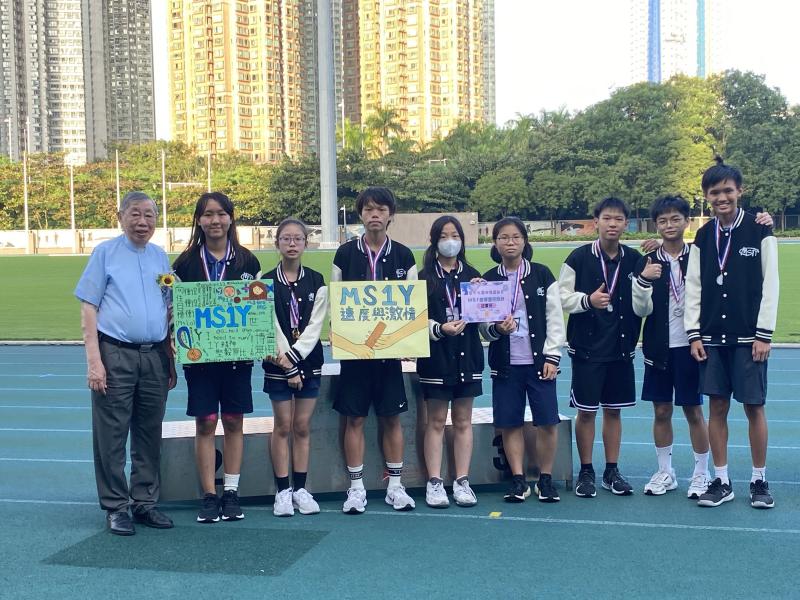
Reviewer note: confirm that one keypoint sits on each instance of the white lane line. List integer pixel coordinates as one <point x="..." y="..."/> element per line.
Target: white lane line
<point x="47" y="460"/>
<point x="597" y="522"/>
<point x="473" y="517"/>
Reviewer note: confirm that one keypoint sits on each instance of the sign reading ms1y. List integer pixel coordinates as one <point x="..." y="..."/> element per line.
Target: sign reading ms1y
<point x="370" y="295"/>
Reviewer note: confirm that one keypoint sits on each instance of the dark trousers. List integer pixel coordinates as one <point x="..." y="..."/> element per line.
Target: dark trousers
<point x="135" y="400"/>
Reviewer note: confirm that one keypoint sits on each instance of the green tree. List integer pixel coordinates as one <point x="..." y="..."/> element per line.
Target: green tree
<point x="499" y="193"/>
<point x="384" y="123"/>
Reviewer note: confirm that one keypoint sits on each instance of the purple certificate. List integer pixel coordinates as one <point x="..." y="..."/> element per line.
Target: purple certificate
<point x="486" y="302"/>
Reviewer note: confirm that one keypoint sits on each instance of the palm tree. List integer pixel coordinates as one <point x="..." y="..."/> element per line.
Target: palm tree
<point x="384" y="123"/>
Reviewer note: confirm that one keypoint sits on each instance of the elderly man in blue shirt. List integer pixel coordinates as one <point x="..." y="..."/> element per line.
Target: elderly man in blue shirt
<point x="130" y="369"/>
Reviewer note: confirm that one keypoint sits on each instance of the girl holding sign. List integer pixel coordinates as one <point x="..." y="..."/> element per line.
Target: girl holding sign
<point x="215" y="254"/>
<point x="451" y="377"/>
<point x="292" y="378"/>
<point x="524" y="353"/>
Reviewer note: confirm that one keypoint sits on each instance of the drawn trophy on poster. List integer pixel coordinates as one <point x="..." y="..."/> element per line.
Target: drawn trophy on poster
<point x="379" y="319"/>
<point x="217" y="321"/>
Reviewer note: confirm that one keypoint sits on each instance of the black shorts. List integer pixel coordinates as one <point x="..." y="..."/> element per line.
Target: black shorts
<point x="448" y="393"/>
<point x="682" y="376"/>
<point x="219" y="387"/>
<point x="509" y="395"/>
<point x="279" y="390"/>
<point x="606" y="384"/>
<point x="365" y="383"/>
<point x="731" y="370"/>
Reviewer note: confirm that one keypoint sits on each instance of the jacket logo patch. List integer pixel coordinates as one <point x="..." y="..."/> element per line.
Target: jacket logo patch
<point x="400" y="273"/>
<point x="747" y="251"/>
<point x="630" y="276"/>
<point x="540" y="291"/>
<point x="247" y="276"/>
<point x="311" y="297"/>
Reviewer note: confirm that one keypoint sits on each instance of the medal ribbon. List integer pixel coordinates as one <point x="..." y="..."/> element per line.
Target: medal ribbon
<point x="613" y="285"/>
<point x="517" y="287"/>
<point x="676" y="287"/>
<point x="722" y="258"/>
<point x="221" y="275"/>
<point x="449" y="290"/>
<point x="374" y="257"/>
<point x="294" y="305"/>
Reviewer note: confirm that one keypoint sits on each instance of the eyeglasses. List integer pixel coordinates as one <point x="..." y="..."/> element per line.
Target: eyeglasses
<point x="504" y="239"/>
<point x="288" y="239"/>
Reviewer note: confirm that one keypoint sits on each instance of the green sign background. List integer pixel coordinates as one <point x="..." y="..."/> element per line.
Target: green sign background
<point x="218" y="321"/>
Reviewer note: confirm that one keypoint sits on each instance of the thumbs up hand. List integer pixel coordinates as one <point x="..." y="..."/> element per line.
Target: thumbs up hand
<point x="651" y="271"/>
<point x="599" y="298"/>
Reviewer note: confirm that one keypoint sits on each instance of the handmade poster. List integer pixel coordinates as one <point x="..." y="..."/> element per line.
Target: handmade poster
<point x="486" y="302"/>
<point x="379" y="319"/>
<point x="217" y="321"/>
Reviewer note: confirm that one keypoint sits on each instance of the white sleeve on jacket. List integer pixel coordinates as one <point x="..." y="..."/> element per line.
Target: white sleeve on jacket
<point x="694" y="288"/>
<point x="770" y="290"/>
<point x="573" y="302"/>
<point x="310" y="336"/>
<point x="556" y="333"/>
<point x="642" y="295"/>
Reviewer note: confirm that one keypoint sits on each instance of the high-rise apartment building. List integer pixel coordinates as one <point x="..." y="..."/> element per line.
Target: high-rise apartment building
<point x="426" y="60"/>
<point x="241" y="75"/>
<point x="75" y="75"/>
<point x="675" y="36"/>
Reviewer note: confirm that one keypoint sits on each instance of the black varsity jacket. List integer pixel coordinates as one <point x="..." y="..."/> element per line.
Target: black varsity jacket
<point x="453" y="359"/>
<point x="588" y="327"/>
<point x="545" y="319"/>
<point x="351" y="264"/>
<point x="651" y="300"/>
<point x="305" y="352"/>
<point x="744" y="308"/>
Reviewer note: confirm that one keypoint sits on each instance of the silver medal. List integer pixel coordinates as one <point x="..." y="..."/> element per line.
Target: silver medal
<point x="678" y="311"/>
<point x="610" y="308"/>
<point x="719" y="279"/>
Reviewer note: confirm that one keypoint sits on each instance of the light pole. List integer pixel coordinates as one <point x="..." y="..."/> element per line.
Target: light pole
<point x="25" y="189"/>
<point x="344" y="221"/>
<point x="164" y="198"/>
<point x="72" y="208"/>
<point x="8" y="129"/>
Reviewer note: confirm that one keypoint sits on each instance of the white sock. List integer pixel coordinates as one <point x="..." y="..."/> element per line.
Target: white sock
<point x="231" y="482"/>
<point x="759" y="473"/>
<point x="394" y="470"/>
<point x="356" y="477"/>
<point x="722" y="473"/>
<point x="664" y="458"/>
<point x="700" y="463"/>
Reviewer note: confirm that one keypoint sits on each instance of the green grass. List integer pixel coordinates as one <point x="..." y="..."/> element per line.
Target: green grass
<point x="37" y="303"/>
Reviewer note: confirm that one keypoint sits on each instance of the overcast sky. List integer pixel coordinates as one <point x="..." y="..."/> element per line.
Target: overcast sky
<point x="573" y="53"/>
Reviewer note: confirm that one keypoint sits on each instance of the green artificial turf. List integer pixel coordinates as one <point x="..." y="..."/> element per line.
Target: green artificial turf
<point x="37" y="303"/>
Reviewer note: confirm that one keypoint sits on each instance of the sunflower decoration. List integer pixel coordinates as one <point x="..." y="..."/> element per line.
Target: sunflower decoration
<point x="167" y="280"/>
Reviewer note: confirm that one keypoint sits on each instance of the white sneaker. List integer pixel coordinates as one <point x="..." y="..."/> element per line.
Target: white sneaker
<point x="356" y="502"/>
<point x="283" y="504"/>
<point x="463" y="494"/>
<point x="698" y="485"/>
<point x="435" y="495"/>
<point x="660" y="483"/>
<point x="304" y="502"/>
<point x="398" y="499"/>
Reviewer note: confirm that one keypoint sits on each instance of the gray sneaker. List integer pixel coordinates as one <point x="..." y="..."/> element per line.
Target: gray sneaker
<point x="435" y="495"/>
<point x="463" y="494"/>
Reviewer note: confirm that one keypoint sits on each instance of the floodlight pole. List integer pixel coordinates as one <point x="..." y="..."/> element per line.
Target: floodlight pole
<point x="327" y="125"/>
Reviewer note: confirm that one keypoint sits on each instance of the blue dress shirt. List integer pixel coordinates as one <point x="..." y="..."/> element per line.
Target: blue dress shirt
<point x="121" y="280"/>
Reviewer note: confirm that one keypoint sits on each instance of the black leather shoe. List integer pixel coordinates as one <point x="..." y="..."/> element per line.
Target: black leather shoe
<point x="119" y="523"/>
<point x="153" y="518"/>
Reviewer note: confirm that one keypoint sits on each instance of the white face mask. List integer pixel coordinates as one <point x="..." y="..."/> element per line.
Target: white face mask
<point x="449" y="248"/>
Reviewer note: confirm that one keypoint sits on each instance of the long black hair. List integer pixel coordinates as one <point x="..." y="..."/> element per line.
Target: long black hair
<point x="527" y="251"/>
<point x="429" y="260"/>
<point x="198" y="237"/>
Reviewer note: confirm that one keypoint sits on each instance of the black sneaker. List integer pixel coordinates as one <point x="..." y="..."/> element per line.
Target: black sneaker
<point x="585" y="487"/>
<point x="546" y="490"/>
<point x="716" y="494"/>
<point x="616" y="483"/>
<point x="210" y="511"/>
<point x="518" y="491"/>
<point x="231" y="511"/>
<point x="759" y="495"/>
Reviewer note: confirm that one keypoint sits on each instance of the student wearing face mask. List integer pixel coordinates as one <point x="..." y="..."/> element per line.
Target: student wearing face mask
<point x="451" y="377"/>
